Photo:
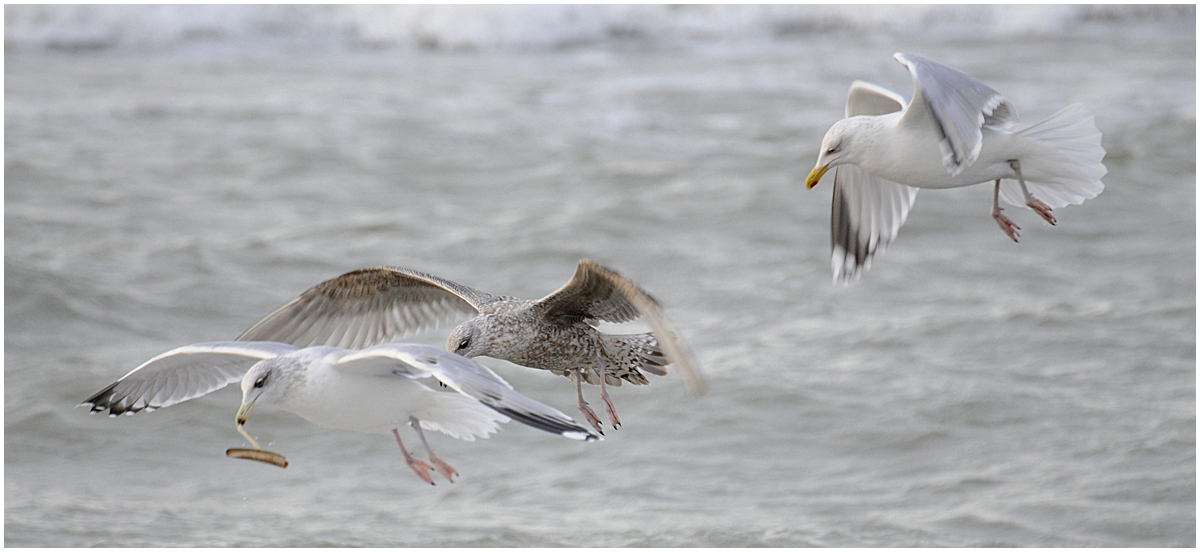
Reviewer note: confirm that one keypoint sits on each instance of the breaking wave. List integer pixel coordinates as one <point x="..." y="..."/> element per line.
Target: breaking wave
<point x="488" y="27"/>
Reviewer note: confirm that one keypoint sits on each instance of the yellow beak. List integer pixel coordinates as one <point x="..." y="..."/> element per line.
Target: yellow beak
<point x="815" y="176"/>
<point x="244" y="412"/>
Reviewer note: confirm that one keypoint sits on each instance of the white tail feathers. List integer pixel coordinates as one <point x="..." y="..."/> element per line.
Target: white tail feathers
<point x="1067" y="167"/>
<point x="461" y="417"/>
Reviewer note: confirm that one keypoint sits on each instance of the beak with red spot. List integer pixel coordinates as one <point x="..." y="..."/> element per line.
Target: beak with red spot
<point x="816" y="174"/>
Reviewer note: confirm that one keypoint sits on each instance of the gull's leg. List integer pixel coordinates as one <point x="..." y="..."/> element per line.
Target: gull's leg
<point x="441" y="466"/>
<point x="1005" y="224"/>
<point x="608" y="405"/>
<point x="583" y="405"/>
<point x="1033" y="202"/>
<point x="419" y="466"/>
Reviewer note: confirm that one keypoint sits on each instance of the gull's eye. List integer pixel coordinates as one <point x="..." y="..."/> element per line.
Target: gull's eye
<point x="260" y="381"/>
<point x="832" y="150"/>
<point x="466" y="342"/>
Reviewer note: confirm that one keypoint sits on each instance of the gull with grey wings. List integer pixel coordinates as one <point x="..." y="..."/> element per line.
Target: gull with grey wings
<point x="374" y="390"/>
<point x="955" y="131"/>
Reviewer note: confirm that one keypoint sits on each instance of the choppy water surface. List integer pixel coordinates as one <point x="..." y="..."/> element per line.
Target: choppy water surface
<point x="969" y="391"/>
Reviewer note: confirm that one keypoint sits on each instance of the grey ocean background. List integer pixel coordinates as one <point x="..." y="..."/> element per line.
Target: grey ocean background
<point x="172" y="174"/>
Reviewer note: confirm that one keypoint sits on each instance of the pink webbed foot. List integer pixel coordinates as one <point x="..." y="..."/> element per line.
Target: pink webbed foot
<point x="1007" y="225"/>
<point x="1041" y="209"/>
<point x="608" y="407"/>
<point x="1034" y="203"/>
<point x="443" y="468"/>
<point x="612" y="414"/>
<point x="591" y="416"/>
<point x="587" y="411"/>
<point x="421" y="468"/>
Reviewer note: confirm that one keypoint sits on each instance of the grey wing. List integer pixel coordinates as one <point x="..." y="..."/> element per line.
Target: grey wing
<point x="182" y="374"/>
<point x="957" y="105"/>
<point x="597" y="293"/>
<point x="868" y="212"/>
<point x="871" y="99"/>
<point x="464" y="375"/>
<point x="367" y="307"/>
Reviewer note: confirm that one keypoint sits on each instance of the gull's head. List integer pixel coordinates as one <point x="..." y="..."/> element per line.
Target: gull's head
<point x="266" y="381"/>
<point x="834" y="150"/>
<point x="471" y="338"/>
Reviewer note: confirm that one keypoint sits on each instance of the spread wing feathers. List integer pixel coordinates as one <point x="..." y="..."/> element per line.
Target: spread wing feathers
<point x="958" y="105"/>
<point x="464" y="376"/>
<point x="182" y="374"/>
<point x="871" y="99"/>
<point x="868" y="212"/>
<point x="599" y="293"/>
<point x="367" y="307"/>
<point x="591" y="295"/>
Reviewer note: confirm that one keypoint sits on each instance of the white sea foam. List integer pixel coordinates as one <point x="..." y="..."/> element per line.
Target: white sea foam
<point x="82" y="27"/>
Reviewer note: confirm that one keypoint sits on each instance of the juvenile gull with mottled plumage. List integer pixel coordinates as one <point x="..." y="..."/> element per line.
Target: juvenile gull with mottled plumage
<point x="555" y="333"/>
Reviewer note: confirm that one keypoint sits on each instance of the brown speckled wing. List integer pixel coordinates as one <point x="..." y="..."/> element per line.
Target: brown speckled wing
<point x="597" y="293"/>
<point x="367" y="307"/>
<point x="592" y="294"/>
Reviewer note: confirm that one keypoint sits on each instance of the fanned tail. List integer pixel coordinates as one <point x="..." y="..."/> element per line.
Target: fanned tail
<point x="1067" y="168"/>
<point x="628" y="355"/>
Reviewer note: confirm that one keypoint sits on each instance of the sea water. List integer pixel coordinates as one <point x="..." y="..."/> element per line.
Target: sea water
<point x="172" y="174"/>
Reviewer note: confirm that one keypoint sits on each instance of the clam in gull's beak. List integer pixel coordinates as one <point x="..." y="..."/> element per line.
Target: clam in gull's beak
<point x="244" y="412"/>
<point x="815" y="175"/>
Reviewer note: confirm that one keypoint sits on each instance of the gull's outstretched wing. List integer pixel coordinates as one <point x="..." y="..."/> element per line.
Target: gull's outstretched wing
<point x="868" y="211"/>
<point x="871" y="99"/>
<point x="182" y="374"/>
<point x="597" y="293"/>
<point x="367" y="307"/>
<point x="591" y="295"/>
<point x="957" y="105"/>
<point x="410" y="360"/>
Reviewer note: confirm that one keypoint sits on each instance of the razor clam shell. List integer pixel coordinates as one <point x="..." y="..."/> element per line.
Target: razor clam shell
<point x="260" y="455"/>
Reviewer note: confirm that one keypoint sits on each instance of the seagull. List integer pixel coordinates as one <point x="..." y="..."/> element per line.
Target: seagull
<point x="555" y="333"/>
<point x="955" y="131"/>
<point x="372" y="390"/>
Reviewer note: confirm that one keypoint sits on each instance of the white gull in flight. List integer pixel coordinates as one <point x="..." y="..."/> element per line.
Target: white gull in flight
<point x="373" y="390"/>
<point x="955" y="131"/>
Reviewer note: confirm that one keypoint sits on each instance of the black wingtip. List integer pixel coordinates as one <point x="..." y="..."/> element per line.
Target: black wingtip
<point x="104" y="400"/>
<point x="548" y="424"/>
